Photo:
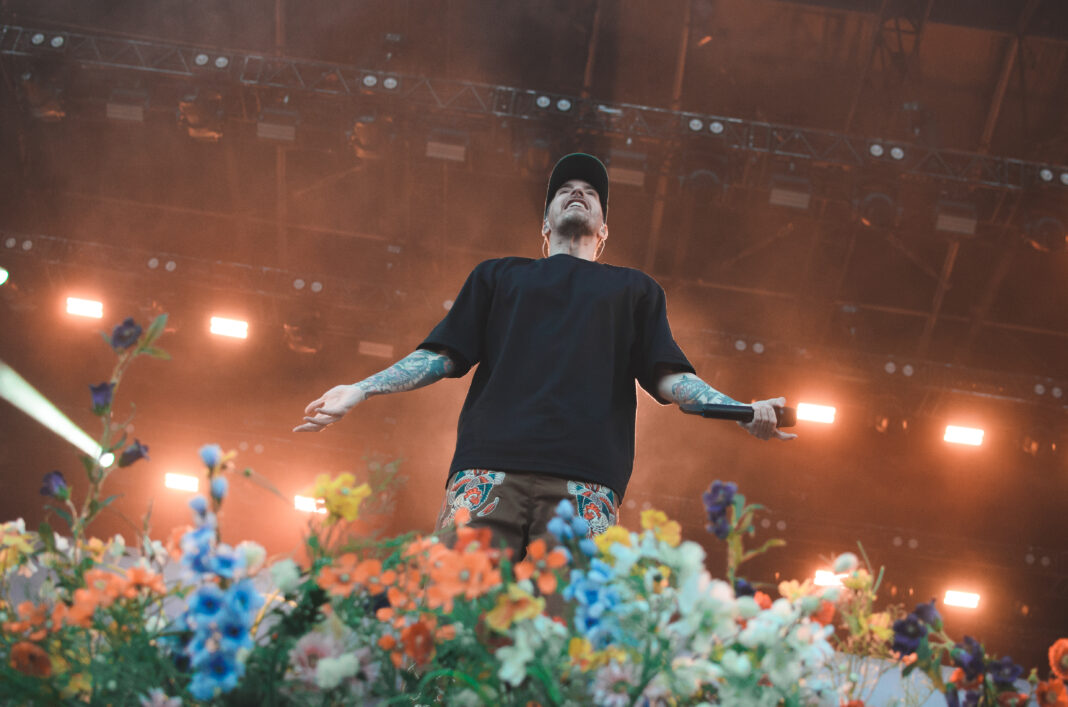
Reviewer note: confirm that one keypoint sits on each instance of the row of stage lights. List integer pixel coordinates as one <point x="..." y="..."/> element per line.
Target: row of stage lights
<point x="809" y="412"/>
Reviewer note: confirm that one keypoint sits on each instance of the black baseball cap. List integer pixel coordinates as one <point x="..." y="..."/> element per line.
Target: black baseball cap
<point x="579" y="165"/>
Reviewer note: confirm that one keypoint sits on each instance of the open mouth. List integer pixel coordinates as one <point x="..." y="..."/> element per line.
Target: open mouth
<point x="573" y="202"/>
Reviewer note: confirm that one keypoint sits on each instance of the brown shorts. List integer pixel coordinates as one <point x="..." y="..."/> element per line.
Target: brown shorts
<point x="518" y="505"/>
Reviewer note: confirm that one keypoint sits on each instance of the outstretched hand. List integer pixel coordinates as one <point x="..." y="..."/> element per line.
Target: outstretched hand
<point x="764" y="421"/>
<point x="330" y="407"/>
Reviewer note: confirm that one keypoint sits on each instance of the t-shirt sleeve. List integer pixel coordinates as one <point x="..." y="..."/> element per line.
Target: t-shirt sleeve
<point x="462" y="330"/>
<point x="656" y="346"/>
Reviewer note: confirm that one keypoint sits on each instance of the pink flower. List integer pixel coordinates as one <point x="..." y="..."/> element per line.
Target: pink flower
<point x="613" y="683"/>
<point x="158" y="698"/>
<point x="306" y="654"/>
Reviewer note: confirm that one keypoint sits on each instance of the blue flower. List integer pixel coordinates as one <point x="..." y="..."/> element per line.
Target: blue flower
<point x="742" y="588"/>
<point x="214" y="672"/>
<point x="565" y="510"/>
<point x="588" y="547"/>
<point x="1004" y="672"/>
<point x="199" y="505"/>
<point x="969" y="658"/>
<point x="928" y="614"/>
<point x="595" y="603"/>
<point x="234" y="630"/>
<point x="717" y="501"/>
<point x="101" y="393"/>
<point x="53" y="484"/>
<point x="218" y="488"/>
<point x="560" y="528"/>
<point x="132" y="453"/>
<point x="211" y="454"/>
<point x="206" y="604"/>
<point x="125" y="335"/>
<point x="908" y="632"/>
<point x="225" y="562"/>
<point x="243" y="597"/>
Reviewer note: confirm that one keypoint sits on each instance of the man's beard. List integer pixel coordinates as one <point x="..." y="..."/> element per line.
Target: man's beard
<point x="574" y="225"/>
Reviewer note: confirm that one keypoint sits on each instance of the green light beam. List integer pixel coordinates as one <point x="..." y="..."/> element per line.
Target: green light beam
<point x="15" y="390"/>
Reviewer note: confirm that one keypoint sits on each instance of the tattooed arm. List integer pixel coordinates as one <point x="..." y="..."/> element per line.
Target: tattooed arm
<point x="688" y="389"/>
<point x="415" y="370"/>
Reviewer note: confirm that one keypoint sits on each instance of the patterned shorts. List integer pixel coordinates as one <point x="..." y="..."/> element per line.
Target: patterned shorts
<point x="518" y="505"/>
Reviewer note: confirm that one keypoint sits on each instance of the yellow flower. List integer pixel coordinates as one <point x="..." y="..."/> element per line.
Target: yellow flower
<point x="880" y="625"/>
<point x="96" y="548"/>
<point x="664" y="529"/>
<point x="794" y="590"/>
<point x="859" y="579"/>
<point x="341" y="498"/>
<point x="515" y="605"/>
<point x="613" y="535"/>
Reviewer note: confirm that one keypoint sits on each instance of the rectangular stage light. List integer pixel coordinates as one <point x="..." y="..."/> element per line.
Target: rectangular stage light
<point x="308" y="505"/>
<point x="826" y="578"/>
<point x="968" y="600"/>
<point x="972" y="436"/>
<point x="234" y="328"/>
<point x="85" y="308"/>
<point x="181" y="482"/>
<point x="815" y="413"/>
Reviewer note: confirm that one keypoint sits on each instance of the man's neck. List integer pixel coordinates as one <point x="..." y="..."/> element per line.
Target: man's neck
<point x="584" y="247"/>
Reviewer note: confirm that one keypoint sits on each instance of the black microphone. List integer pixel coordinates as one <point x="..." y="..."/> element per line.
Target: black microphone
<point x="784" y="416"/>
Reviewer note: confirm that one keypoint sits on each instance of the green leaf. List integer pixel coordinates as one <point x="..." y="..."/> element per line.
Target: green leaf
<point x="768" y="544"/>
<point x="107" y="339"/>
<point x="154" y="330"/>
<point x="44" y="530"/>
<point x="923" y="653"/>
<point x="155" y="352"/>
<point x="738" y="503"/>
<point x="61" y="513"/>
<point x="908" y="670"/>
<point x="89" y="463"/>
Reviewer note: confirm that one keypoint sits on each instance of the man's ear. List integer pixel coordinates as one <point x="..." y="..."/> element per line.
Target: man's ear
<point x="604" y="230"/>
<point x="545" y="227"/>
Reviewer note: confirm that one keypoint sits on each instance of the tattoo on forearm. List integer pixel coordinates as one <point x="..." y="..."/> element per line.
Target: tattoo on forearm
<point x="690" y="390"/>
<point x="413" y="371"/>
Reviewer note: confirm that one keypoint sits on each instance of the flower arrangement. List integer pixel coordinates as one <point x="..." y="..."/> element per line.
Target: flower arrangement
<point x="627" y="617"/>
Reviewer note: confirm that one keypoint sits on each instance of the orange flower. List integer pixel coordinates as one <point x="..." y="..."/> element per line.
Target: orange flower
<point x="958" y="679"/>
<point x="369" y="573"/>
<point x="340" y="577"/>
<point x="468" y="538"/>
<point x="763" y="601"/>
<point x="825" y="614"/>
<point x="1051" y="693"/>
<point x="512" y="606"/>
<point x="418" y="642"/>
<point x="540" y="563"/>
<point x="1012" y="699"/>
<point x="468" y="573"/>
<point x="854" y="703"/>
<point x="1058" y="658"/>
<point x="138" y="578"/>
<point x="31" y="659"/>
<point x="33" y="617"/>
<point x="462" y="517"/>
<point x="106" y="585"/>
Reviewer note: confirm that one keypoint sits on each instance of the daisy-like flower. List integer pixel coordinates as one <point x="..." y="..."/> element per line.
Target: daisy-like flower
<point x="309" y="650"/>
<point x="664" y="529"/>
<point x="1051" y="693"/>
<point x="341" y="498"/>
<point x="613" y="683"/>
<point x="370" y="575"/>
<point x="1058" y="658"/>
<point x="513" y="605"/>
<point x="339" y="578"/>
<point x="513" y="659"/>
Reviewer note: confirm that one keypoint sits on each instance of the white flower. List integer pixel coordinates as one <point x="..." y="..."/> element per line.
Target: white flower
<point x="747" y="607"/>
<point x="846" y="562"/>
<point x="155" y="623"/>
<point x="613" y="681"/>
<point x="253" y="555"/>
<point x="286" y="575"/>
<point x="158" y="698"/>
<point x="736" y="664"/>
<point x="118" y="546"/>
<point x="62" y="544"/>
<point x="331" y="671"/>
<point x="514" y="659"/>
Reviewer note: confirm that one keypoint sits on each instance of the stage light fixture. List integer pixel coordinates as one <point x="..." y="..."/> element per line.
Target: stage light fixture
<point x="716" y="127"/>
<point x="1045" y="174"/>
<point x="790" y="192"/>
<point x="201" y="115"/>
<point x="815" y="413"/>
<point x="277" y="124"/>
<point x="1046" y="233"/>
<point x="545" y="102"/>
<point x="626" y="167"/>
<point x="181" y="482"/>
<point x="127" y="105"/>
<point x="390" y="83"/>
<point x="877" y="209"/>
<point x="4" y="275"/>
<point x="897" y="153"/>
<point x="79" y="307"/>
<point x="1064" y="178"/>
<point x="876" y="150"/>
<point x="967" y="600"/>
<point x="969" y="436"/>
<point x="956" y="217"/>
<point x="43" y="90"/>
<point x="303" y="334"/>
<point x="308" y="504"/>
<point x="234" y="328"/>
<point x="564" y="105"/>
<point x="15" y="390"/>
<point x="448" y="145"/>
<point x="696" y="125"/>
<point x="826" y="578"/>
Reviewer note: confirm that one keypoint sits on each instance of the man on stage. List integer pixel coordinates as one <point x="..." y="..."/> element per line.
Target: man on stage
<point x="559" y="342"/>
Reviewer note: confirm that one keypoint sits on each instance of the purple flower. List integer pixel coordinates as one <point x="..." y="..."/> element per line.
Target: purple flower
<point x="908" y="632"/>
<point x="132" y="453"/>
<point x="125" y="335"/>
<point x="55" y="485"/>
<point x="717" y="500"/>
<point x="952" y="698"/>
<point x="1004" y="672"/>
<point x="928" y="614"/>
<point x="101" y="396"/>
<point x="742" y="588"/>
<point x="969" y="658"/>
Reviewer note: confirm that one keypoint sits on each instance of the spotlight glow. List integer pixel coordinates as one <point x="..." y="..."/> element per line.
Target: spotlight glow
<point x="181" y="482"/>
<point x="826" y="578"/>
<point x="15" y="390"/>
<point x="308" y="504"/>
<point x="971" y="436"/>
<point x="234" y="328"/>
<point x="3" y="275"/>
<point x="85" y="308"/>
<point x="815" y="413"/>
<point x="968" y="600"/>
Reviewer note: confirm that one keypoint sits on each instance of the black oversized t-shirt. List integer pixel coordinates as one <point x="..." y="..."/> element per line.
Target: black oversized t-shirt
<point x="559" y="343"/>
